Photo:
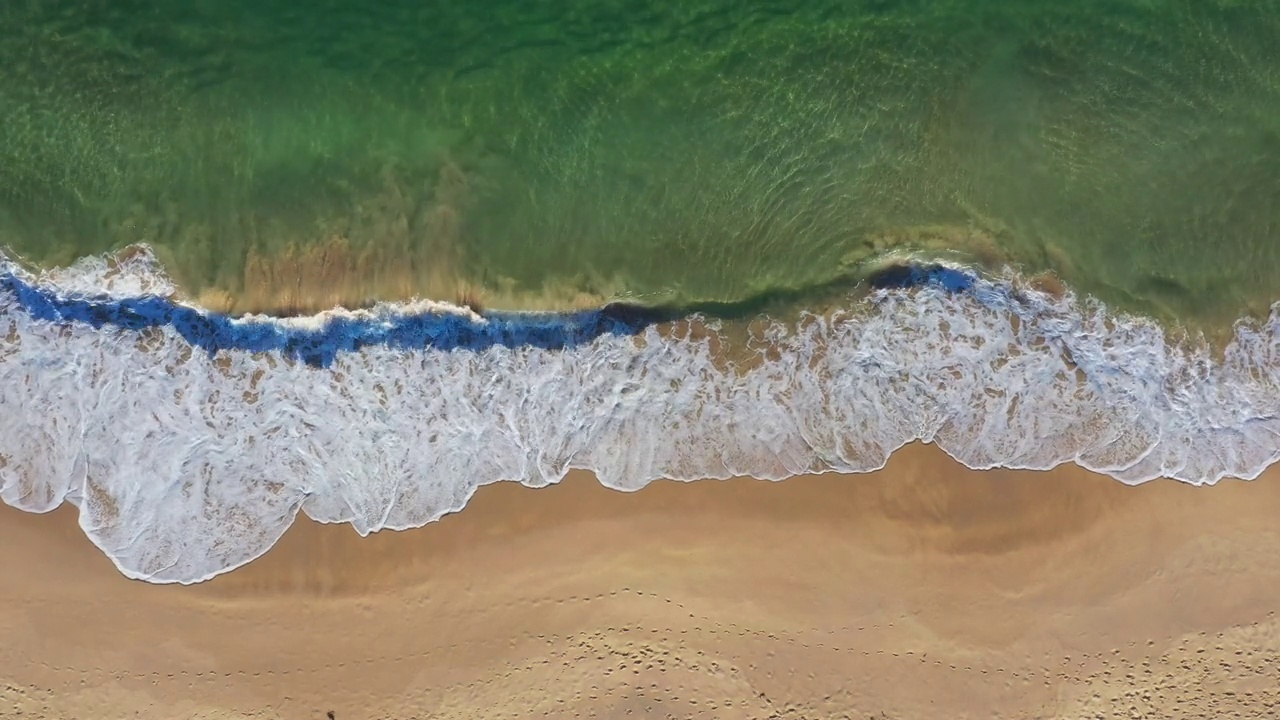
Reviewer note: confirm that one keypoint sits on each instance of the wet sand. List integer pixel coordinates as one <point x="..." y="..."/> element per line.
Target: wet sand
<point x="921" y="591"/>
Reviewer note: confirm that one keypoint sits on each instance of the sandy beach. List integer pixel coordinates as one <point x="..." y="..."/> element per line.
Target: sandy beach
<point x="922" y="591"/>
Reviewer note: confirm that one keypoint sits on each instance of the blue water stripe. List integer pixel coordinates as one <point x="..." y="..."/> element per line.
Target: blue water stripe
<point x="319" y="346"/>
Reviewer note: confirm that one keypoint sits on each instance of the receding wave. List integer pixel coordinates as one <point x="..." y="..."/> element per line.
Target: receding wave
<point x="190" y="440"/>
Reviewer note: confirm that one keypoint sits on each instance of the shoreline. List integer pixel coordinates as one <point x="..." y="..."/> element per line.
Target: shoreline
<point x="155" y="301"/>
<point x="997" y="376"/>
<point x="987" y="594"/>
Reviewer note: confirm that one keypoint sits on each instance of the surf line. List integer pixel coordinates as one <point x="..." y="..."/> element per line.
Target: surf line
<point x="319" y="344"/>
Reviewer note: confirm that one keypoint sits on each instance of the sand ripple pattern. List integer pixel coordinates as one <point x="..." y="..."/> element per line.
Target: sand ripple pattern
<point x="186" y="465"/>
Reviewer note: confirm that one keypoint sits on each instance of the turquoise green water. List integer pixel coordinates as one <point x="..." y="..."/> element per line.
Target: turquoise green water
<point x="701" y="150"/>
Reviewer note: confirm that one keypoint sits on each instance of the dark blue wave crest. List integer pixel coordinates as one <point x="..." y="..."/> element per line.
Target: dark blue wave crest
<point x="320" y="346"/>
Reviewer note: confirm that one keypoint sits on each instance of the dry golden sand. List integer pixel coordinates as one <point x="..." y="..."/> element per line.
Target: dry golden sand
<point x="923" y="591"/>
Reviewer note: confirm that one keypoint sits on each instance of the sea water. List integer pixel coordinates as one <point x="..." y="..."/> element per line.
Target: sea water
<point x="660" y="151"/>
<point x="253" y="250"/>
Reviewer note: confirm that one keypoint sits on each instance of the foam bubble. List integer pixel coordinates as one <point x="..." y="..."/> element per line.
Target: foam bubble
<point x="186" y="464"/>
<point x="132" y="272"/>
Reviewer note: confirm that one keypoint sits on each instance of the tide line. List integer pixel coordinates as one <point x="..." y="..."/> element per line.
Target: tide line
<point x="318" y="344"/>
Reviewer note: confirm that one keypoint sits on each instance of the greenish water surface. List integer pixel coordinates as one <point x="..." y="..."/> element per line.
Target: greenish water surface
<point x="676" y="151"/>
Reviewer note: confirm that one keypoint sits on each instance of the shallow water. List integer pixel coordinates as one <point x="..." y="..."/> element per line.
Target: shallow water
<point x="577" y="151"/>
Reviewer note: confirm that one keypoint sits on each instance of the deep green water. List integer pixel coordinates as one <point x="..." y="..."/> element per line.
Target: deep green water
<point x="699" y="150"/>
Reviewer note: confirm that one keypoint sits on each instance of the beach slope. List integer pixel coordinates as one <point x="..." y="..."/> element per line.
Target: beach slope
<point x="925" y="590"/>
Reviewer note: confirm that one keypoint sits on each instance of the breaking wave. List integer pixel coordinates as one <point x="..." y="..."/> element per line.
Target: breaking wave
<point x="190" y="441"/>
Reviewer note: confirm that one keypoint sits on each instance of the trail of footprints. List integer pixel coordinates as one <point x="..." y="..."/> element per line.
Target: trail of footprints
<point x="649" y="671"/>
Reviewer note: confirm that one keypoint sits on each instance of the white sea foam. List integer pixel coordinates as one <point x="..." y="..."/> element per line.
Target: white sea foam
<point x="185" y="467"/>
<point x="133" y="272"/>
